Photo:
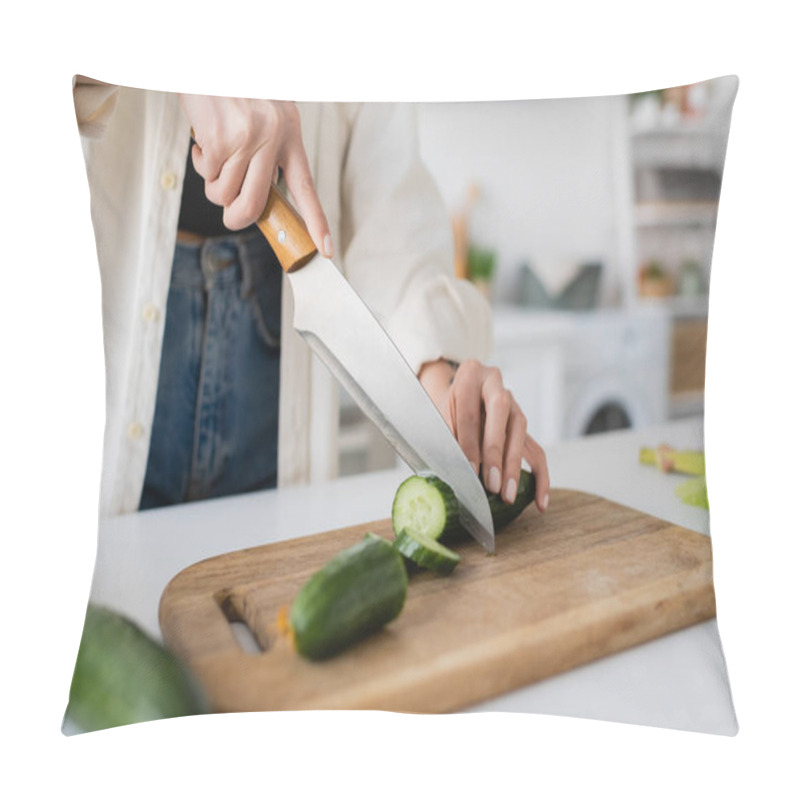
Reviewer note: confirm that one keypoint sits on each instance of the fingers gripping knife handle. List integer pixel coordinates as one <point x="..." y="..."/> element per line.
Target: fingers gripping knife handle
<point x="286" y="232"/>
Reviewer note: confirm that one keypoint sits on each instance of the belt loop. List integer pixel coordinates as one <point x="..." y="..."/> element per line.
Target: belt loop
<point x="207" y="265"/>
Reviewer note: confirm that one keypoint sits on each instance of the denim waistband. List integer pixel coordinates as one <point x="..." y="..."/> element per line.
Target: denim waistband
<point x="243" y="259"/>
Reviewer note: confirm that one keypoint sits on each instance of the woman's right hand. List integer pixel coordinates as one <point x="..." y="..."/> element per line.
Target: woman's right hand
<point x="240" y="144"/>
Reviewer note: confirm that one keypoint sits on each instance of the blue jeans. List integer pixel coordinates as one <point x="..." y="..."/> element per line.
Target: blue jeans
<point x="215" y="429"/>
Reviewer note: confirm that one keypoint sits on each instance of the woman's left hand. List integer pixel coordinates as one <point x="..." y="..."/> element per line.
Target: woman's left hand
<point x="488" y="424"/>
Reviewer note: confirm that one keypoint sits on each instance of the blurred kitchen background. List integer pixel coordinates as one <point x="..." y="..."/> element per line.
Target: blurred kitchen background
<point x="589" y="224"/>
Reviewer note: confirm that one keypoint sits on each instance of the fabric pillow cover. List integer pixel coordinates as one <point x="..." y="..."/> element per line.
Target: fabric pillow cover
<point x="586" y="238"/>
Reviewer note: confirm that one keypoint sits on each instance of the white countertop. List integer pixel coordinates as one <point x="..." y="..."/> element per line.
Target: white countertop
<point x="678" y="681"/>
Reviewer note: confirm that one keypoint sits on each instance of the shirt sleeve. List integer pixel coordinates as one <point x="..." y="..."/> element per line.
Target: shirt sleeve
<point x="398" y="243"/>
<point x="94" y="104"/>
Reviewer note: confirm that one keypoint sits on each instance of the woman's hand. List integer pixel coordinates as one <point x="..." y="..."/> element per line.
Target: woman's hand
<point x="488" y="424"/>
<point x="240" y="144"/>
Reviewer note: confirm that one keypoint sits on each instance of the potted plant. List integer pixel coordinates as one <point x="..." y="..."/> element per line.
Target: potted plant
<point x="480" y="267"/>
<point x="654" y="280"/>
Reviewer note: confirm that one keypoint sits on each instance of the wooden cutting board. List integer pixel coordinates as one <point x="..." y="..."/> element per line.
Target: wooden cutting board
<point x="585" y="580"/>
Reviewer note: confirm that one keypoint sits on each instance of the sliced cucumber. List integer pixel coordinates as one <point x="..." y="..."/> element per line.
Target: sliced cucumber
<point x="694" y="492"/>
<point x="426" y="506"/>
<point x="503" y="513"/>
<point x="354" y="595"/>
<point x="426" y="552"/>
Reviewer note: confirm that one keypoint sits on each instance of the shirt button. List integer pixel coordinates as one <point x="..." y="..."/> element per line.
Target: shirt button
<point x="150" y="313"/>
<point x="135" y="431"/>
<point x="169" y="180"/>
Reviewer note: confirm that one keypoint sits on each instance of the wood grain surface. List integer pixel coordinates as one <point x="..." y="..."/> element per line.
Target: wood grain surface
<point x="286" y="232"/>
<point x="585" y="580"/>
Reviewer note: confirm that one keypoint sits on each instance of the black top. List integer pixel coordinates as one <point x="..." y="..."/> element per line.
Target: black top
<point x="198" y="214"/>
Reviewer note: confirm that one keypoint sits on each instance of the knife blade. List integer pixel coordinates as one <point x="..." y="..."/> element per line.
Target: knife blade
<point x="346" y="336"/>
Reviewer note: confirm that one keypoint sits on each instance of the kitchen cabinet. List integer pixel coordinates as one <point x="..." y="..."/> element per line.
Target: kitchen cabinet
<point x="678" y="143"/>
<point x="677" y="178"/>
<point x="687" y="364"/>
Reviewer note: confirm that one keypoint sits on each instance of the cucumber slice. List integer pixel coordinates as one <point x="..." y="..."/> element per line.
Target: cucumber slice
<point x="425" y="506"/>
<point x="426" y="552"/>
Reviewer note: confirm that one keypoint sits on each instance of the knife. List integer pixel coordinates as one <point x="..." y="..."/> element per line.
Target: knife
<point x="345" y="334"/>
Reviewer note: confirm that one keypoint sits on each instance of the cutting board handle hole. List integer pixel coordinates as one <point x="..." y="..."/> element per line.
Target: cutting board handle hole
<point x="232" y="606"/>
<point x="245" y="638"/>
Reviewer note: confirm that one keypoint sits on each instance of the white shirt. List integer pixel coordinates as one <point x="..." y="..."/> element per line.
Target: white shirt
<point x="391" y="234"/>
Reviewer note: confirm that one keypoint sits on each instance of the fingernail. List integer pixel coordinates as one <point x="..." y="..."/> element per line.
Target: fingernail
<point x="327" y="247"/>
<point x="493" y="484"/>
<point x="474" y="466"/>
<point x="511" y="491"/>
<point x="545" y="502"/>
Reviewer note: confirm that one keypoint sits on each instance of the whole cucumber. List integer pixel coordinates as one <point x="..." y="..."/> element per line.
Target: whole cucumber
<point x="123" y="676"/>
<point x="355" y="594"/>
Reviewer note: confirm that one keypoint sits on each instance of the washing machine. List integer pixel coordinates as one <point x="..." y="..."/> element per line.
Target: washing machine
<point x="617" y="371"/>
<point x="576" y="373"/>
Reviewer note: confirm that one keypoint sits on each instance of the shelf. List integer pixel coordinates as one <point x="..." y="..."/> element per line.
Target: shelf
<point x="686" y="404"/>
<point x="685" y="147"/>
<point x="697" y="213"/>
<point x="678" y="306"/>
<point x="679" y="130"/>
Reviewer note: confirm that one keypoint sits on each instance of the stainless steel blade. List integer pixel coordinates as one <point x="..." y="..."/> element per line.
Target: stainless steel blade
<point x="345" y="334"/>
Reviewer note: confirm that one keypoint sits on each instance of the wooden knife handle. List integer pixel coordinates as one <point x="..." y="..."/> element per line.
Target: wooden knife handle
<point x="286" y="232"/>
